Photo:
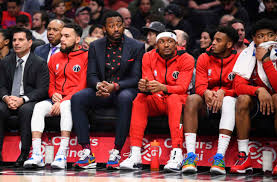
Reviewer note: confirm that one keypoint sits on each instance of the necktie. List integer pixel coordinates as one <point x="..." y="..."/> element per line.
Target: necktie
<point x="53" y="50"/>
<point x="17" y="78"/>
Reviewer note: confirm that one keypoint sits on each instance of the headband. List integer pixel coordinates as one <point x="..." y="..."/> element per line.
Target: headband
<point x="166" y="34"/>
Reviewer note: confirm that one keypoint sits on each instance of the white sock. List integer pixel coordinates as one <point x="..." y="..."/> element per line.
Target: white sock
<point x="64" y="145"/>
<point x="190" y="142"/>
<point x="136" y="150"/>
<point x="243" y="146"/>
<point x="36" y="144"/>
<point x="223" y="142"/>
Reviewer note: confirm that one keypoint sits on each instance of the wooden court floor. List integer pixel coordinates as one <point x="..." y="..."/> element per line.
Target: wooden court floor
<point x="10" y="174"/>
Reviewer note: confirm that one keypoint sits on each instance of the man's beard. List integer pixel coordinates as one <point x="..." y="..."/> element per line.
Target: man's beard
<point x="67" y="50"/>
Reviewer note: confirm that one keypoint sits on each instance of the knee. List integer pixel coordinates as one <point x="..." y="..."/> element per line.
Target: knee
<point x="26" y="109"/>
<point x="243" y="103"/>
<point x="126" y="96"/>
<point x="65" y="105"/>
<point x="193" y="102"/>
<point x="40" y="106"/>
<point x="173" y="100"/>
<point x="229" y="100"/>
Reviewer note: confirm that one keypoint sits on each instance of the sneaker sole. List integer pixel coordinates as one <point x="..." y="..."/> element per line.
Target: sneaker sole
<point x="33" y="166"/>
<point x="58" y="167"/>
<point x="189" y="170"/>
<point x="172" y="170"/>
<point x="137" y="167"/>
<point x="248" y="170"/>
<point x="216" y="171"/>
<point x="90" y="166"/>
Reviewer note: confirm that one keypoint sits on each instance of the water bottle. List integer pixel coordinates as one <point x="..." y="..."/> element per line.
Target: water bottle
<point x="49" y="152"/>
<point x="267" y="160"/>
<point x="155" y="164"/>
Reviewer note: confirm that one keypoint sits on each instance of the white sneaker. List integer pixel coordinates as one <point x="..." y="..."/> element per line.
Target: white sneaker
<point x="35" y="161"/>
<point x="133" y="161"/>
<point x="174" y="164"/>
<point x="59" y="162"/>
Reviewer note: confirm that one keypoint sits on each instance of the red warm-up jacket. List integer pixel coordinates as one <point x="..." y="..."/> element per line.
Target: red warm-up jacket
<point x="68" y="73"/>
<point x="249" y="87"/>
<point x="215" y="73"/>
<point x="175" y="73"/>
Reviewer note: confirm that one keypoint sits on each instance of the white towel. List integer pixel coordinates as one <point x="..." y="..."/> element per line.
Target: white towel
<point x="246" y="62"/>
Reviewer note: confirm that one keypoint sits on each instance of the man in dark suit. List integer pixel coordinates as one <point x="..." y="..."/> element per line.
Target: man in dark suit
<point x="24" y="80"/>
<point x="114" y="69"/>
<point x="54" y="29"/>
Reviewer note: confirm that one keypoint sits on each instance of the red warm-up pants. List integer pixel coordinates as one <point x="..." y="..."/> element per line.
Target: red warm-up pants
<point x="155" y="105"/>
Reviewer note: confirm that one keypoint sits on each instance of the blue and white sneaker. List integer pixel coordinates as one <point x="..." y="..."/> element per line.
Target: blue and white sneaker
<point x="59" y="162"/>
<point x="86" y="161"/>
<point x="218" y="166"/>
<point x="114" y="159"/>
<point x="190" y="163"/>
<point x="35" y="161"/>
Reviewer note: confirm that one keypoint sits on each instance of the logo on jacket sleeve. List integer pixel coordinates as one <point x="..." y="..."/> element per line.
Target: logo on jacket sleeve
<point x="175" y="74"/>
<point x="209" y="72"/>
<point x="57" y="66"/>
<point x="231" y="76"/>
<point x="76" y="68"/>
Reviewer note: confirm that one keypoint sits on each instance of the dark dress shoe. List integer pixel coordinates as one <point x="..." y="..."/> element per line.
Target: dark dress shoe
<point x="21" y="159"/>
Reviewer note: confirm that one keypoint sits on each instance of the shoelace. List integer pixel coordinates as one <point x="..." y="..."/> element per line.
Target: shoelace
<point x="83" y="155"/>
<point x="241" y="160"/>
<point x="113" y="155"/>
<point x="217" y="159"/>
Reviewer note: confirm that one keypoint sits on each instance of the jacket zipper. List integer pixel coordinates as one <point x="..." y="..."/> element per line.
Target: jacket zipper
<point x="64" y="73"/>
<point x="220" y="80"/>
<point x="165" y="72"/>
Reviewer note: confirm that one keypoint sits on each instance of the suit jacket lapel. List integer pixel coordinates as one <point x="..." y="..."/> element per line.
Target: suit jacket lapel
<point x="46" y="52"/>
<point x="101" y="50"/>
<point x="125" y="55"/>
<point x="13" y="65"/>
<point x="26" y="69"/>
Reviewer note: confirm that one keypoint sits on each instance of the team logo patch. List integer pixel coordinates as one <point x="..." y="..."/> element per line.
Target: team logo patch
<point x="57" y="66"/>
<point x="175" y="74"/>
<point x="209" y="72"/>
<point x="231" y="76"/>
<point x="76" y="68"/>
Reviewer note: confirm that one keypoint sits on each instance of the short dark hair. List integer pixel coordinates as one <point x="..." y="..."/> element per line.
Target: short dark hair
<point x="110" y="14"/>
<point x="99" y="2"/>
<point x="77" y="28"/>
<point x="211" y="31"/>
<point x="18" y="2"/>
<point x="263" y="24"/>
<point x="44" y="17"/>
<point x="55" y="3"/>
<point x="6" y="33"/>
<point x="26" y="31"/>
<point x="22" y="19"/>
<point x="230" y="32"/>
<point x="230" y="23"/>
<point x="91" y="29"/>
<point x="139" y="1"/>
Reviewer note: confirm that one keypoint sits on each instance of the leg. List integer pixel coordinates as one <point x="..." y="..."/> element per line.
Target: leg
<point x="124" y="108"/>
<point x="143" y="105"/>
<point x="174" y="111"/>
<point x="226" y="127"/>
<point x="41" y="109"/>
<point x="4" y="114"/>
<point x="25" y="113"/>
<point x="81" y="102"/>
<point x="60" y="161"/>
<point x="274" y="98"/>
<point x="194" y="107"/>
<point x="244" y="105"/>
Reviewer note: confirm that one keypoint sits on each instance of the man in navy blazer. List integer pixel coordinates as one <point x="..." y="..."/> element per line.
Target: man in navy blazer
<point x="54" y="29"/>
<point x="114" y="69"/>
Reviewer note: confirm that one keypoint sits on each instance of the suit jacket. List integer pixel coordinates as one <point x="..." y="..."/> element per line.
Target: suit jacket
<point x="43" y="51"/>
<point x="35" y="77"/>
<point x="130" y="66"/>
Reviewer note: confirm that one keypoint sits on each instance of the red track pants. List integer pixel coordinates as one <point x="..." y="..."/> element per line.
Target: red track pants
<point x="155" y="105"/>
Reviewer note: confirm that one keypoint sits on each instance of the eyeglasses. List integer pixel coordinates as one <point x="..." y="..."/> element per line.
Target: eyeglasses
<point x="262" y="36"/>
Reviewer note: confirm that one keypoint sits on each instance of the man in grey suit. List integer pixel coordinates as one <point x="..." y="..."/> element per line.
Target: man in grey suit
<point x="54" y="29"/>
<point x="24" y="81"/>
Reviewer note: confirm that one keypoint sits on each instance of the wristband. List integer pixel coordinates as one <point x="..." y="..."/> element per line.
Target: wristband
<point x="266" y="56"/>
